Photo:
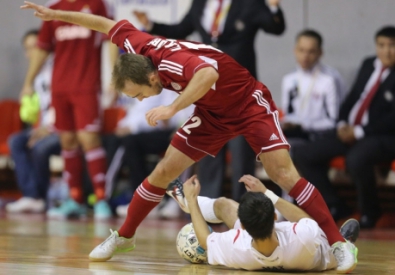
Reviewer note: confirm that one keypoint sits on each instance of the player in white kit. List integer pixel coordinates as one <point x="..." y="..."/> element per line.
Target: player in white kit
<point x="255" y="241"/>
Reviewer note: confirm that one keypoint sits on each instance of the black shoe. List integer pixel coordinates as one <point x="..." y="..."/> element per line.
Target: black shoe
<point x="350" y="230"/>
<point x="368" y="222"/>
<point x="175" y="191"/>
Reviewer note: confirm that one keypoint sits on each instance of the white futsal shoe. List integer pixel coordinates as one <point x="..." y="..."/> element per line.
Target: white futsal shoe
<point x="346" y="256"/>
<point x="175" y="191"/>
<point x="113" y="244"/>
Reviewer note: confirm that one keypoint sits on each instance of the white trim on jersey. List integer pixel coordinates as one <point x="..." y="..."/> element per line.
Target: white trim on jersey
<point x="263" y="102"/>
<point x="148" y="195"/>
<point x="170" y="66"/>
<point x="280" y="131"/>
<point x="128" y="46"/>
<point x="171" y="63"/>
<point x="186" y="139"/>
<point x="174" y="70"/>
<point x="118" y="30"/>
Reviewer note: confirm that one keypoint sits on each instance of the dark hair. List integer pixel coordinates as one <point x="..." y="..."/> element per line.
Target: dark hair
<point x="133" y="67"/>
<point x="28" y="33"/>
<point x="387" y="31"/>
<point x="256" y="214"/>
<point x="312" y="34"/>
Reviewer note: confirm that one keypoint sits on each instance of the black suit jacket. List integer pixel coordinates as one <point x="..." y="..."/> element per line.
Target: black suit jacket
<point x="244" y="19"/>
<point x="382" y="108"/>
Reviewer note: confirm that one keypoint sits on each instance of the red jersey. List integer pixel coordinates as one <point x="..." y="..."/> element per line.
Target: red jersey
<point x="177" y="61"/>
<point x="77" y="49"/>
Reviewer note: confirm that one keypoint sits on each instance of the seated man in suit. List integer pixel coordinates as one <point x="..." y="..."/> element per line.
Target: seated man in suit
<point x="365" y="133"/>
<point x="230" y="26"/>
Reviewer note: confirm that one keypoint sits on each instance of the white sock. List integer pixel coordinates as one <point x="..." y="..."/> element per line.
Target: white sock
<point x="207" y="207"/>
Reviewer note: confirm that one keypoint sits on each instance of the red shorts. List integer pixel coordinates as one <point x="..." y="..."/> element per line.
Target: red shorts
<point x="76" y="112"/>
<point x="205" y="134"/>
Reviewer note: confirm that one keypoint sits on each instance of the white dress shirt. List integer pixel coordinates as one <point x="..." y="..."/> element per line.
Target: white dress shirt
<point x="311" y="98"/>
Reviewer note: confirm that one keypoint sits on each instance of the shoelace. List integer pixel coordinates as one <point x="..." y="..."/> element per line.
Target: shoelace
<point x="339" y="253"/>
<point x="110" y="237"/>
<point x="179" y="188"/>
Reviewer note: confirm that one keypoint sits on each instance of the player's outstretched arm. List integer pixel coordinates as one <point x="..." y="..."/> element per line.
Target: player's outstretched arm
<point x="90" y="21"/>
<point x="290" y="211"/>
<point x="191" y="191"/>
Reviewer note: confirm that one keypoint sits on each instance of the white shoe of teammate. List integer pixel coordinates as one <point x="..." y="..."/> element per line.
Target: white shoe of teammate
<point x="26" y="204"/>
<point x="113" y="244"/>
<point x="346" y="256"/>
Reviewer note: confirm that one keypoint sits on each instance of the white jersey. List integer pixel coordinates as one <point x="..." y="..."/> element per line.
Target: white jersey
<point x="311" y="98"/>
<point x="302" y="246"/>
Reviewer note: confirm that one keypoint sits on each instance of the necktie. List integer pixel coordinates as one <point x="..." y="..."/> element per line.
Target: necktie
<point x="365" y="104"/>
<point x="214" y="27"/>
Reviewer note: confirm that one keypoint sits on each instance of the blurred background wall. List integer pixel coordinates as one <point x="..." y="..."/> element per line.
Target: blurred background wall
<point x="348" y="28"/>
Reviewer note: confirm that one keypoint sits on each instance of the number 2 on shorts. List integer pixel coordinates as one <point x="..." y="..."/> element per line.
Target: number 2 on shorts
<point x="196" y="123"/>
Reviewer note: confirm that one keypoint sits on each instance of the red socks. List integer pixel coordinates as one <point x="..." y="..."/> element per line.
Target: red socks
<point x="311" y="201"/>
<point x="97" y="165"/>
<point x="73" y="166"/>
<point x="145" y="198"/>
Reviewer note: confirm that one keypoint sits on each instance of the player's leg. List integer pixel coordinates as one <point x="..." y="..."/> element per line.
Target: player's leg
<point x="147" y="196"/>
<point x="281" y="170"/>
<point x="263" y="132"/>
<point x="86" y="108"/>
<point x="226" y="210"/>
<point x="73" y="162"/>
<point x="96" y="163"/>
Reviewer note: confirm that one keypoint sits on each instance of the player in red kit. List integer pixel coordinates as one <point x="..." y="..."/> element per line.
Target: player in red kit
<point x="229" y="102"/>
<point x="76" y="87"/>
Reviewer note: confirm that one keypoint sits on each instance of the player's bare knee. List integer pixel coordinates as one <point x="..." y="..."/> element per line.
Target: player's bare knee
<point x="162" y="175"/>
<point x="89" y="140"/>
<point x="284" y="177"/>
<point x="68" y="140"/>
<point x="224" y="206"/>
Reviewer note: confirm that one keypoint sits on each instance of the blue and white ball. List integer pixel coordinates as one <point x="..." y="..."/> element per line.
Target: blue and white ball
<point x="188" y="246"/>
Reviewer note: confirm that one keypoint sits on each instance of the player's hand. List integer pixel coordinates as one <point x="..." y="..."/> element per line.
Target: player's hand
<point x="346" y="134"/>
<point x="159" y="113"/>
<point x="191" y="188"/>
<point x="26" y="90"/>
<point x="253" y="184"/>
<point x="41" y="12"/>
<point x="143" y="19"/>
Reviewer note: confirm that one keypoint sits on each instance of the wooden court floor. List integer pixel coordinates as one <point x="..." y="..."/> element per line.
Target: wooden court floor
<point x="30" y="244"/>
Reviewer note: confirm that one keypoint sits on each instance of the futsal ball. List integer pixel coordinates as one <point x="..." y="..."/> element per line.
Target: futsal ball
<point x="188" y="246"/>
